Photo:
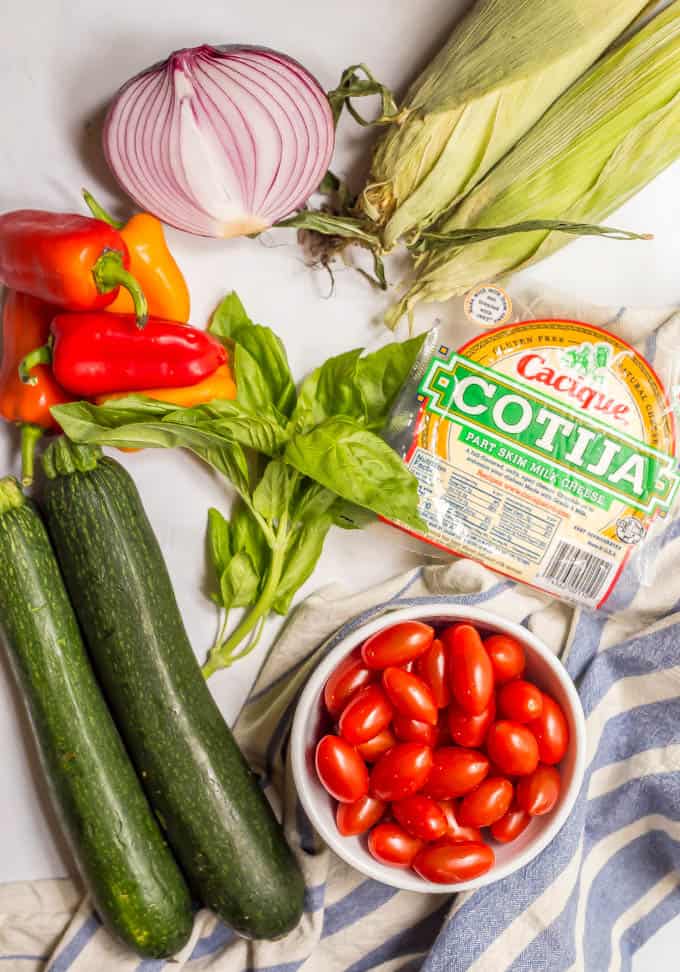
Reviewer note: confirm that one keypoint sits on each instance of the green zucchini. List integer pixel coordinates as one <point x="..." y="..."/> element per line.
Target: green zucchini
<point x="216" y="817"/>
<point x="134" y="881"/>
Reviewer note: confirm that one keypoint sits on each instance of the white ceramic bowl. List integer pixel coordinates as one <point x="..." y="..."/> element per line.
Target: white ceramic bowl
<point x="311" y="722"/>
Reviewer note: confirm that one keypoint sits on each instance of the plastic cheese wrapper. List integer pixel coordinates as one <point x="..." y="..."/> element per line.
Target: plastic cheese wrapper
<point x="544" y="448"/>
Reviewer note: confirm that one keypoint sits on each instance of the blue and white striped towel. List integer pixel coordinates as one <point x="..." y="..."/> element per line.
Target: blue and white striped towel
<point x="607" y="882"/>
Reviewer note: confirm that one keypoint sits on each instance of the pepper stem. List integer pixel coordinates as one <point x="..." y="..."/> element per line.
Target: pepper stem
<point x="109" y="273"/>
<point x="41" y="356"/>
<point x="99" y="212"/>
<point x="30" y="436"/>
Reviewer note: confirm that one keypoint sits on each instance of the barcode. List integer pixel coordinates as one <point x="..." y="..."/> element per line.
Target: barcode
<point x="575" y="570"/>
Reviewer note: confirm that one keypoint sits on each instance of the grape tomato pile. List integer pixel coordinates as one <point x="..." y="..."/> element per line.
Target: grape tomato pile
<point x="437" y="738"/>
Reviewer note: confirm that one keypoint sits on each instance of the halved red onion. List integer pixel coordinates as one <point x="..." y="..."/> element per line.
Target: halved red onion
<point x="220" y="141"/>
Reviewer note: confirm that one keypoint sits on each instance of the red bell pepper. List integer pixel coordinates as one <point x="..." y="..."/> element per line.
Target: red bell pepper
<point x="72" y="261"/>
<point x="100" y="354"/>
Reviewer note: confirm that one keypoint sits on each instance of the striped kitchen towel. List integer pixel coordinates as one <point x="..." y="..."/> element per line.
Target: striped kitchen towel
<point x="608" y="881"/>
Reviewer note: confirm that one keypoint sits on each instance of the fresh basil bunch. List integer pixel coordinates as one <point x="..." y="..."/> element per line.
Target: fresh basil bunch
<point x="300" y="461"/>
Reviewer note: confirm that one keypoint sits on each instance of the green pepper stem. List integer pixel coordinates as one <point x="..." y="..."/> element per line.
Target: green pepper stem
<point x="99" y="212"/>
<point x="30" y="436"/>
<point x="109" y="273"/>
<point x="41" y="356"/>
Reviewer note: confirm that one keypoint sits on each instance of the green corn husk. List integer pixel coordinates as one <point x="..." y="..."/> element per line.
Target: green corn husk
<point x="602" y="141"/>
<point x="504" y="65"/>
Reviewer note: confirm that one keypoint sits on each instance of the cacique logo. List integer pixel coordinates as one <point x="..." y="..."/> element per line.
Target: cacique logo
<point x="555" y="438"/>
<point x="533" y="367"/>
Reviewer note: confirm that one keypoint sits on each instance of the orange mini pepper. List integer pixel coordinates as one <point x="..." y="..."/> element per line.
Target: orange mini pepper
<point x="151" y="263"/>
<point x="219" y="385"/>
<point x="26" y="325"/>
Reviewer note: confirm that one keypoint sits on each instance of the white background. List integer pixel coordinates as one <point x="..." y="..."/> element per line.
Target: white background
<point x="61" y="62"/>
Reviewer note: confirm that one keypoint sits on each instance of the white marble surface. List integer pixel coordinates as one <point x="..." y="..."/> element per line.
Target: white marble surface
<point x="62" y="60"/>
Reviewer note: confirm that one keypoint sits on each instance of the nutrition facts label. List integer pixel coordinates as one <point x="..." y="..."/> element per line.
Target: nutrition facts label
<point x="458" y="505"/>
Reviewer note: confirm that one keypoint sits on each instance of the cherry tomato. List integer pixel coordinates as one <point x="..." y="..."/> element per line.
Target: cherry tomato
<point x="454" y="772"/>
<point x="495" y="770"/>
<point x="366" y="714"/>
<point x="455" y="830"/>
<point x="450" y="862"/>
<point x="421" y="817"/>
<point x="470" y="730"/>
<point x="391" y="845"/>
<point x="520" y="701"/>
<point x="509" y="827"/>
<point x="358" y="817"/>
<point x="432" y="669"/>
<point x="350" y="675"/>
<point x="512" y="747"/>
<point x="507" y="657"/>
<point x="537" y="794"/>
<point x="410" y="695"/>
<point x="487" y="803"/>
<point x="341" y="769"/>
<point x="401" y="772"/>
<point x="397" y="645"/>
<point x="373" y="748"/>
<point x="411" y="730"/>
<point x="443" y="727"/>
<point x="551" y="732"/>
<point x="469" y="667"/>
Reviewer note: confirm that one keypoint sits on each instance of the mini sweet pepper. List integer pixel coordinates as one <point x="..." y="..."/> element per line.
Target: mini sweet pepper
<point x="71" y="261"/>
<point x="97" y="354"/>
<point x="151" y="263"/>
<point x="219" y="386"/>
<point x="26" y="324"/>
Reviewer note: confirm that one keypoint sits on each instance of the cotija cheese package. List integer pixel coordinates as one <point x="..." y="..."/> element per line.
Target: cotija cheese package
<point x="544" y="448"/>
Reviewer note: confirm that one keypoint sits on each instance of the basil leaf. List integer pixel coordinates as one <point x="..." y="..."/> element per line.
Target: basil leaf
<point x="349" y="516"/>
<point x="218" y="541"/>
<point x="229" y="316"/>
<point x="301" y="560"/>
<point x="364" y="389"/>
<point x="247" y="536"/>
<point x="125" y="411"/>
<point x="252" y="391"/>
<point x="359" y="466"/>
<point x="138" y="435"/>
<point x="229" y="459"/>
<point x="111" y="425"/>
<point x="272" y="494"/>
<point x="239" y="582"/>
<point x="231" y="322"/>
<point x="254" y="428"/>
<point x="312" y="501"/>
<point x="268" y="352"/>
<point x="330" y="390"/>
<point x="380" y="377"/>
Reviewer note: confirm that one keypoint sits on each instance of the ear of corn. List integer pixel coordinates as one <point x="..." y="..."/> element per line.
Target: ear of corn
<point x="504" y="65"/>
<point x="602" y="141"/>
